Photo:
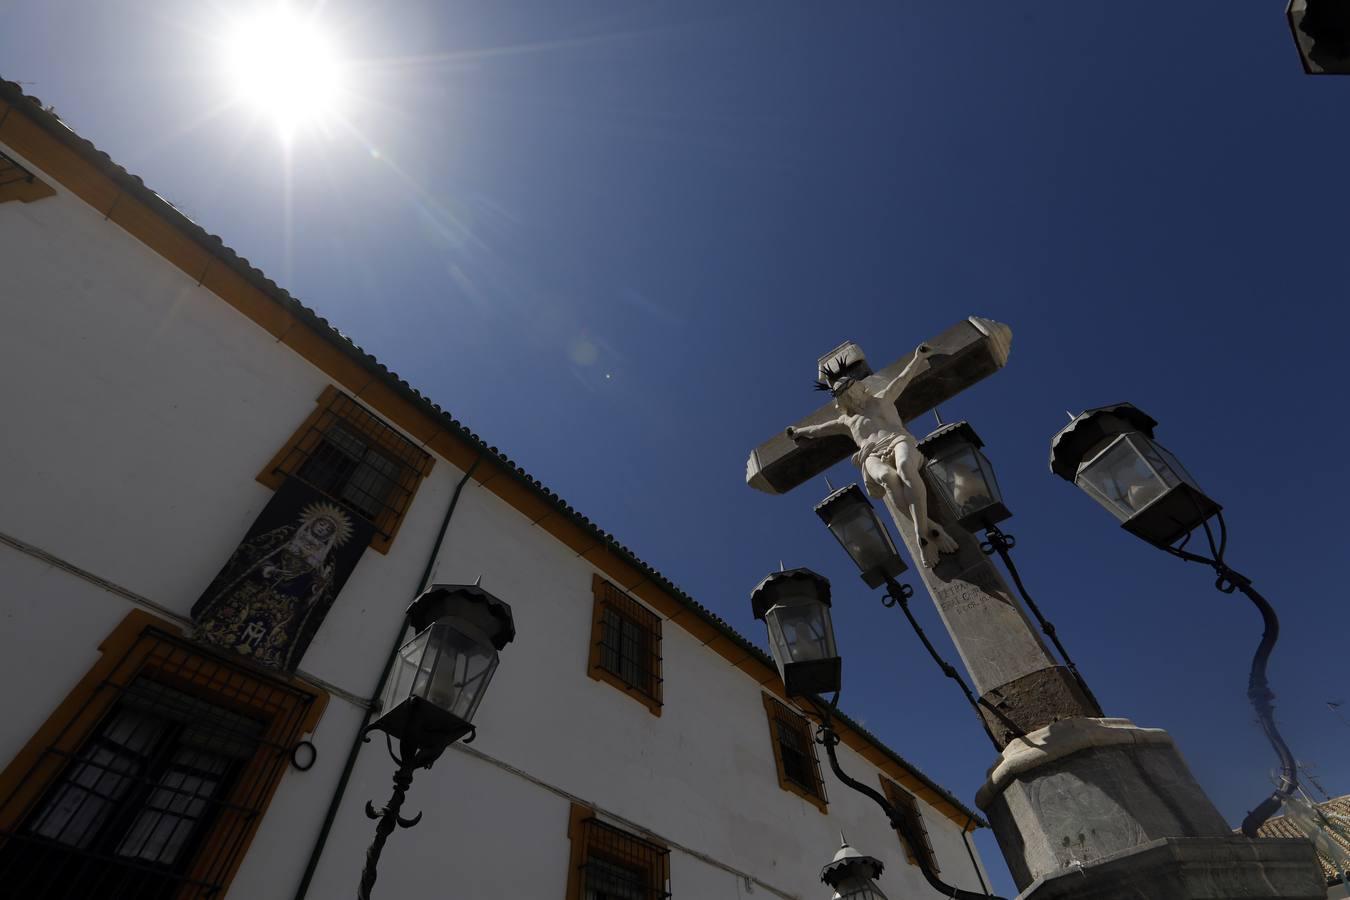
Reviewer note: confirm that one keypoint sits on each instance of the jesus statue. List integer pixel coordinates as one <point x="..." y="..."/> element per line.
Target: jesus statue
<point x="888" y="456"/>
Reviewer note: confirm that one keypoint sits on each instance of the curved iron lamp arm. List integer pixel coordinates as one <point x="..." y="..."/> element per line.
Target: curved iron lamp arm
<point x="1000" y="542"/>
<point x="899" y="594"/>
<point x="1259" y="693"/>
<point x="827" y="736"/>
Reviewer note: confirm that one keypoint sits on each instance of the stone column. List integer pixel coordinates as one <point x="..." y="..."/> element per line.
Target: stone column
<point x="1011" y="668"/>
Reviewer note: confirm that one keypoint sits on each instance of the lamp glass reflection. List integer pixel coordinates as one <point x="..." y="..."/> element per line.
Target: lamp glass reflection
<point x="799" y="626"/>
<point x="967" y="479"/>
<point x="449" y="665"/>
<point x="857" y="528"/>
<point x="1129" y="473"/>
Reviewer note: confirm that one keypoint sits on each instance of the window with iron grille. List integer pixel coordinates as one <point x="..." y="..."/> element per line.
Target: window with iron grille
<point x="150" y="780"/>
<point x="352" y="456"/>
<point x="626" y="645"/>
<point x="908" y="807"/>
<point x="608" y="863"/>
<point x="17" y="183"/>
<point x="794" y="753"/>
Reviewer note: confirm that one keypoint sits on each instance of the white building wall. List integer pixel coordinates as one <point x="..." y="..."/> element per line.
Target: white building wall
<point x="138" y="410"/>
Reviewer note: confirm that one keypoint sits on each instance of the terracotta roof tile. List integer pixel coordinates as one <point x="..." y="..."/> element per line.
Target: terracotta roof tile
<point x="1284" y="827"/>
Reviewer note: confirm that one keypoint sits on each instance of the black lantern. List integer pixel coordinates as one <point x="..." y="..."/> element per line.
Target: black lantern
<point x="964" y="477"/>
<point x="795" y="605"/>
<point x="435" y="684"/>
<point x="853" y="874"/>
<point x="440" y="676"/>
<point x="1110" y="453"/>
<point x="1322" y="34"/>
<point x="853" y="521"/>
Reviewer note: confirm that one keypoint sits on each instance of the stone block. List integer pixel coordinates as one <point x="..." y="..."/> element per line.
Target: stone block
<point x="1193" y="868"/>
<point x="1082" y="790"/>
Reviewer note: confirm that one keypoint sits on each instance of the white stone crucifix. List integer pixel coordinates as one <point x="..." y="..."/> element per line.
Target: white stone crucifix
<point x="1075" y="799"/>
<point x="961" y="356"/>
<point x="887" y="455"/>
<point x="1022" y="685"/>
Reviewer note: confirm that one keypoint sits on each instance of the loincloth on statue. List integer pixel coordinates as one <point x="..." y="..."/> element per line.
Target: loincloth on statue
<point x="882" y="447"/>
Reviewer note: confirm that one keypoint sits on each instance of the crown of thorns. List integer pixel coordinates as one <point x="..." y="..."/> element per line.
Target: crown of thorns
<point x="834" y="379"/>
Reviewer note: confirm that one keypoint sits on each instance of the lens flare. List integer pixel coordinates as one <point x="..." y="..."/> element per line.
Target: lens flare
<point x="282" y="64"/>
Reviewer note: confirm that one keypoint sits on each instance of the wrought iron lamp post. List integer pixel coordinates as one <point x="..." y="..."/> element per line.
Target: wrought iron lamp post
<point x="795" y="607"/>
<point x="1321" y="31"/>
<point x="853" y="874"/>
<point x="438" y="680"/>
<point x="1110" y="453"/>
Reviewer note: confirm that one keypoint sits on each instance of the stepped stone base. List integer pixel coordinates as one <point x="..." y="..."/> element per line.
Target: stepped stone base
<point x="1100" y="809"/>
<point x="1083" y="790"/>
<point x="1196" y="868"/>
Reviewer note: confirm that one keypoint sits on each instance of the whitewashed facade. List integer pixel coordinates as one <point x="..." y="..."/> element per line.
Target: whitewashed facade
<point x="140" y="404"/>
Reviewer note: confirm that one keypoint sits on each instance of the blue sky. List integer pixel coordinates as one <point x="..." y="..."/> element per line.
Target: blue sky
<point x="612" y="238"/>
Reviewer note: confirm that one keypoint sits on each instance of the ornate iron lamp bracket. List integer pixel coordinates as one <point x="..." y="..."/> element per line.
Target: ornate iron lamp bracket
<point x="827" y="737"/>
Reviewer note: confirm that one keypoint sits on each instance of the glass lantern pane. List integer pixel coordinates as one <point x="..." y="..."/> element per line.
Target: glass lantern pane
<point x="860" y="532"/>
<point x="990" y="480"/>
<point x="800" y="631"/>
<point x="1164" y="458"/>
<point x="962" y="479"/>
<point x="462" y="666"/>
<point x="1124" y="478"/>
<point x="406" y="668"/>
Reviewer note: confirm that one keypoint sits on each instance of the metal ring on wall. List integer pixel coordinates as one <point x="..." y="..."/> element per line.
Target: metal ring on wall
<point x="313" y="755"/>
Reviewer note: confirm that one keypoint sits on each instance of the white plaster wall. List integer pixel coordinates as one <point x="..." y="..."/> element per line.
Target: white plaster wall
<point x="138" y="410"/>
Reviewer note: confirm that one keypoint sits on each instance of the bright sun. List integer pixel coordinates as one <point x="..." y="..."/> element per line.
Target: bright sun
<point x="282" y="64"/>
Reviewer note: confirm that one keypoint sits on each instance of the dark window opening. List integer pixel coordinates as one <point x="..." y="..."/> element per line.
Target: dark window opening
<point x="797" y="765"/>
<point x="610" y="881"/>
<point x="131" y="806"/>
<point x="623" y="649"/>
<point x="794" y="752"/>
<point x="626" y="644"/>
<point x="616" y="865"/>
<point x="357" y="459"/>
<point x="153" y="776"/>
<point x="908" y="808"/>
<point x="349" y="470"/>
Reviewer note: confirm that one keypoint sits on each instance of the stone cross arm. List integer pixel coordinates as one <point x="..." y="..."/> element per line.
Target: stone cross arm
<point x="962" y="355"/>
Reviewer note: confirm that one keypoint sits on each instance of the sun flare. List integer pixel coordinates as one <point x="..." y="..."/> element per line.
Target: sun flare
<point x="283" y="65"/>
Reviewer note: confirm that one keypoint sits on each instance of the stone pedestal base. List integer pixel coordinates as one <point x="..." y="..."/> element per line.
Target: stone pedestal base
<point x="1204" y="868"/>
<point x="1084" y="803"/>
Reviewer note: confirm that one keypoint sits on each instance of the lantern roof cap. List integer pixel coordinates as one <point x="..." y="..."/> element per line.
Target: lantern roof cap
<point x="1089" y="428"/>
<point x="946" y="435"/>
<point x="839" y="494"/>
<point x="761" y="598"/>
<point x="432" y="603"/>
<point x="846" y="858"/>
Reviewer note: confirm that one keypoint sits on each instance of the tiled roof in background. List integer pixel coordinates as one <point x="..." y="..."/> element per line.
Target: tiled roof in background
<point x="1284" y="827"/>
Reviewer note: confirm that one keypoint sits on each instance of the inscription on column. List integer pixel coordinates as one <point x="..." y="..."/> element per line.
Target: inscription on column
<point x="972" y="591"/>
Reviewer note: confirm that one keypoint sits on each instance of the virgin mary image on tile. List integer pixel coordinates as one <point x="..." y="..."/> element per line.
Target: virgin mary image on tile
<point x="269" y="600"/>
